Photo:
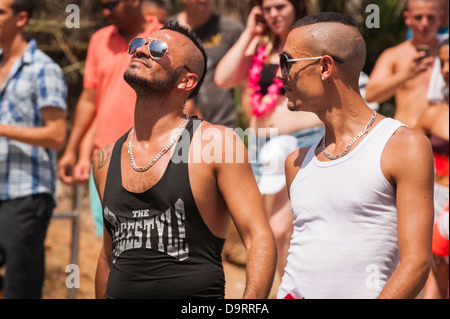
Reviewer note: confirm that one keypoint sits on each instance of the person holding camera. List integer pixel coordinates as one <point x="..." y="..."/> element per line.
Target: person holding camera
<point x="404" y="71"/>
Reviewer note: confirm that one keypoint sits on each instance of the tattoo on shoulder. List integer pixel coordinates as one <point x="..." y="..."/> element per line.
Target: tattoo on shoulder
<point x="103" y="156"/>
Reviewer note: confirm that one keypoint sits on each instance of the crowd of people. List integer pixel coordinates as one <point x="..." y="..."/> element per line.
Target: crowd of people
<point x="336" y="199"/>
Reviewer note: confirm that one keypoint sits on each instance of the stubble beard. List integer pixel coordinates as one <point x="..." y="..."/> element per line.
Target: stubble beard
<point x="159" y="87"/>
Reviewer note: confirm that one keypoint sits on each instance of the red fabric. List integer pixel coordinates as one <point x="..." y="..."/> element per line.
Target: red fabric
<point x="441" y="165"/>
<point x="440" y="242"/>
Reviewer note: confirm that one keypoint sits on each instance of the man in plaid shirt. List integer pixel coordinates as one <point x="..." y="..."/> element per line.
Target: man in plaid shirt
<point x="32" y="127"/>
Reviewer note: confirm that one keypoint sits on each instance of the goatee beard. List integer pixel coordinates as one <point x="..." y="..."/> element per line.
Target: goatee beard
<point x="145" y="87"/>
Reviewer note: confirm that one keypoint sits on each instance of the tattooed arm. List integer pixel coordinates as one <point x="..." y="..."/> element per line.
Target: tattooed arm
<point x="100" y="165"/>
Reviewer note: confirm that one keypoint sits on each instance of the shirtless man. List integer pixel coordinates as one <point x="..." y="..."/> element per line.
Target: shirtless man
<point x="165" y="225"/>
<point x="403" y="71"/>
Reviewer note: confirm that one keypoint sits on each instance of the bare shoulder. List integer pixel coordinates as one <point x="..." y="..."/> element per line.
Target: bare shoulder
<point x="397" y="50"/>
<point x="211" y="129"/>
<point x="407" y="152"/>
<point x="219" y="144"/>
<point x="296" y="158"/>
<point x="407" y="141"/>
<point x="431" y="117"/>
<point x="390" y="56"/>
<point x="293" y="164"/>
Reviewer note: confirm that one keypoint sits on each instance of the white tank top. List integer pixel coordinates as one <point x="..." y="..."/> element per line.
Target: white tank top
<point x="344" y="243"/>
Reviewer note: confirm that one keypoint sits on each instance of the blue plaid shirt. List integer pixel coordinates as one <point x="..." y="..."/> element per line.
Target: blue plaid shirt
<point x="34" y="82"/>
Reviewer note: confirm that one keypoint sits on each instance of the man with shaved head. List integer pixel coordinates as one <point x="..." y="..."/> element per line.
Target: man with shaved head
<point x="166" y="221"/>
<point x="404" y="71"/>
<point x="362" y="197"/>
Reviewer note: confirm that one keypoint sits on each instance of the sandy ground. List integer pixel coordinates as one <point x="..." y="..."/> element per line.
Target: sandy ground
<point x="58" y="253"/>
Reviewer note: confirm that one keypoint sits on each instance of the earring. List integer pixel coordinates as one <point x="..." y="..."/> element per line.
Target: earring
<point x="180" y="86"/>
<point x="323" y="78"/>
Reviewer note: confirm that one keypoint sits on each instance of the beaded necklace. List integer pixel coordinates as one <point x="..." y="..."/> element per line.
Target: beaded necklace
<point x="254" y="78"/>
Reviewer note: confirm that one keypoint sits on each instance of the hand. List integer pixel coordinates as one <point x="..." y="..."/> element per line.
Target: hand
<point x="253" y="22"/>
<point x="82" y="171"/>
<point x="65" y="167"/>
<point x="419" y="63"/>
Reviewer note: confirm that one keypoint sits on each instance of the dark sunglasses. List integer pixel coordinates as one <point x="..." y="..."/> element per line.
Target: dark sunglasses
<point x="156" y="48"/>
<point x="110" y="5"/>
<point x="286" y="62"/>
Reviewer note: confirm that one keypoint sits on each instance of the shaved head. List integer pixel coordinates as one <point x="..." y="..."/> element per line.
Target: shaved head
<point x="195" y="55"/>
<point x="410" y="2"/>
<point x="336" y="35"/>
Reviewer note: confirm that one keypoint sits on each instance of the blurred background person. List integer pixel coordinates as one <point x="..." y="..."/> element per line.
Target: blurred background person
<point x="218" y="34"/>
<point x="435" y="124"/>
<point x="157" y="8"/>
<point x="105" y="109"/>
<point x="33" y="126"/>
<point x="404" y="71"/>
<point x="254" y="61"/>
<point x="444" y="25"/>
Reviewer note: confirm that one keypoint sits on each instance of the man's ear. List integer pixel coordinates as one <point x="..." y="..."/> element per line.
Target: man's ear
<point x="22" y="19"/>
<point x="327" y="67"/>
<point x="191" y="81"/>
<point x="406" y="16"/>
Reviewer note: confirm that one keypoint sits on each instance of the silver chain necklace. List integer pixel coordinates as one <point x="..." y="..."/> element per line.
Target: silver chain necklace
<point x="164" y="151"/>
<point x="368" y="126"/>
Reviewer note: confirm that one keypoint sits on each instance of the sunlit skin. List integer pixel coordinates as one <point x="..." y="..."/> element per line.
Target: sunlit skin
<point x="157" y="114"/>
<point x="435" y="121"/>
<point x="443" y="57"/>
<point x="424" y="19"/>
<point x="403" y="71"/>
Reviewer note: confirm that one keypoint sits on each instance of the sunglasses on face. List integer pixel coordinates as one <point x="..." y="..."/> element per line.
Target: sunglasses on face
<point x="110" y="5"/>
<point x="156" y="48"/>
<point x="286" y="62"/>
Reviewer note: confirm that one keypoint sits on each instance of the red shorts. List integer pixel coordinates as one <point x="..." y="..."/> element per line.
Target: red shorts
<point x="440" y="234"/>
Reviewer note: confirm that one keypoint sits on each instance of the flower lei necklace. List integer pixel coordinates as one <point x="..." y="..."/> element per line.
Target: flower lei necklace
<point x="254" y="77"/>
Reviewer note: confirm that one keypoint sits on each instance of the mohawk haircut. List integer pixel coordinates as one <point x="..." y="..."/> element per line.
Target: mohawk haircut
<point x="325" y="17"/>
<point x="175" y="26"/>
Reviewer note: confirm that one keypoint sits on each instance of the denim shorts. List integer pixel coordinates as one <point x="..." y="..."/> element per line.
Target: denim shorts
<point x="306" y="138"/>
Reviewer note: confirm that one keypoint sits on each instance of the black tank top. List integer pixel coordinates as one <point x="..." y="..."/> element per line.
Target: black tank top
<point x="161" y="246"/>
<point x="267" y="75"/>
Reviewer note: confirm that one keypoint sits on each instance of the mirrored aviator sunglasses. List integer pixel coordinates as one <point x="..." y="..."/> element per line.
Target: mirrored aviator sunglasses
<point x="156" y="48"/>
